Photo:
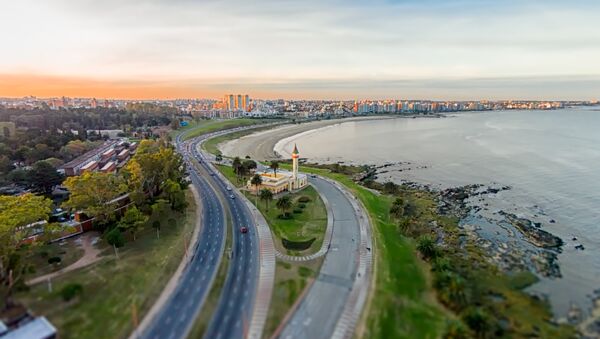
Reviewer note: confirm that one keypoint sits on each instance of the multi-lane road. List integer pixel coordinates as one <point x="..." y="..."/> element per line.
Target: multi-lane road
<point x="218" y="200"/>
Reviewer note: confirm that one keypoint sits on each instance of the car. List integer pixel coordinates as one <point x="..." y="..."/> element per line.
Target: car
<point x="232" y="196"/>
<point x="243" y="229"/>
<point x="228" y="188"/>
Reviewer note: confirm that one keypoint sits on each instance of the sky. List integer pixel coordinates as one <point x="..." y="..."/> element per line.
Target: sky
<point x="353" y="49"/>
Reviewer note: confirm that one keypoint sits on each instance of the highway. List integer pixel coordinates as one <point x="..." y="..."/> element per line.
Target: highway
<point x="177" y="315"/>
<point x="319" y="312"/>
<point x="236" y="302"/>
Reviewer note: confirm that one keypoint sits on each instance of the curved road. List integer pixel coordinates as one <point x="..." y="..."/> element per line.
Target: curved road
<point x="334" y="301"/>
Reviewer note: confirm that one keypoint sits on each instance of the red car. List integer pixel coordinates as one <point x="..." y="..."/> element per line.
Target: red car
<point x="243" y="229"/>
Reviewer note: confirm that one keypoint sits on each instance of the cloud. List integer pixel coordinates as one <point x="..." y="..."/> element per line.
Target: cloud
<point x="291" y="41"/>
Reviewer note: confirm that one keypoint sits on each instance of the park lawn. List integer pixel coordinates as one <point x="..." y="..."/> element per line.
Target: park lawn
<point x="208" y="126"/>
<point x="290" y="280"/>
<point x="310" y="223"/>
<point x="113" y="290"/>
<point x="227" y="171"/>
<point x="68" y="251"/>
<point x="403" y="301"/>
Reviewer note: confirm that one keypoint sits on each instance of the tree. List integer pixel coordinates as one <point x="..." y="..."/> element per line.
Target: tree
<point x="174" y="194"/>
<point x="160" y="210"/>
<point x="256" y="181"/>
<point x="93" y="194"/>
<point x="5" y="164"/>
<point x="274" y="166"/>
<point x="284" y="203"/>
<point x="266" y="196"/>
<point x="236" y="164"/>
<point x="427" y="247"/>
<point x="44" y="177"/>
<point x="15" y="213"/>
<point x="218" y="157"/>
<point x="133" y="221"/>
<point x="116" y="239"/>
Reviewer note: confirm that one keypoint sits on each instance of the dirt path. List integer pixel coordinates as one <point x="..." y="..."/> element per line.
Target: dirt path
<point x="90" y="255"/>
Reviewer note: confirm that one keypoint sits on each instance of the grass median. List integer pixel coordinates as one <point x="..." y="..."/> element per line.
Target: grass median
<point x="116" y="293"/>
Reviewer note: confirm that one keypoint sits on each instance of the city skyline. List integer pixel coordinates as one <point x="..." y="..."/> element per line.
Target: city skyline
<point x="452" y="50"/>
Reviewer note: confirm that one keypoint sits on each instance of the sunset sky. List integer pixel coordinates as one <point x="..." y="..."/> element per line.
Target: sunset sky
<point x="462" y="49"/>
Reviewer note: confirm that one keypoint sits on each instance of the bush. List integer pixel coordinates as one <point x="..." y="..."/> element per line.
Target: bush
<point x="304" y="271"/>
<point x="44" y="254"/>
<point x="54" y="260"/>
<point x="71" y="291"/>
<point x="285" y="216"/>
<point x="304" y="199"/>
<point x="297" y="245"/>
<point x="298" y="210"/>
<point x="302" y="205"/>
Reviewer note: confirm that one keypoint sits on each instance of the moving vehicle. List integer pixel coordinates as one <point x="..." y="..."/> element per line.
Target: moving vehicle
<point x="228" y="188"/>
<point x="243" y="229"/>
<point x="232" y="196"/>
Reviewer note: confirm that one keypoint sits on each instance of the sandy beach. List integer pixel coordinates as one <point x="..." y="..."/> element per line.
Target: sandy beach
<point x="259" y="146"/>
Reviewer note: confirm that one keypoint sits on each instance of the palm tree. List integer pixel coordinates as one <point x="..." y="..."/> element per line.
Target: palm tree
<point x="284" y="203"/>
<point x="256" y="181"/>
<point x="236" y="164"/>
<point x="274" y="166"/>
<point x="219" y="157"/>
<point x="266" y="196"/>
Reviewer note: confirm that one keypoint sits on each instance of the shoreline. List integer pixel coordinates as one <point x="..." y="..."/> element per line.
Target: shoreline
<point x="263" y="144"/>
<point x="260" y="146"/>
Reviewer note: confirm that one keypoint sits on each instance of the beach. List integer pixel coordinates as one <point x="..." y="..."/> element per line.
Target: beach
<point x="260" y="146"/>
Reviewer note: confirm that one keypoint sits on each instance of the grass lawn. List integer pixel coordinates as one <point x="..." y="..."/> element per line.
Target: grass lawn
<point x="208" y="126"/>
<point x="68" y="251"/>
<point x="403" y="303"/>
<point x="112" y="287"/>
<point x="310" y="223"/>
<point x="290" y="281"/>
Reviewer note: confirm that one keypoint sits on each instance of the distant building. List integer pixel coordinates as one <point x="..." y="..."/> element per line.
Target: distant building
<point x="237" y="102"/>
<point x="283" y="180"/>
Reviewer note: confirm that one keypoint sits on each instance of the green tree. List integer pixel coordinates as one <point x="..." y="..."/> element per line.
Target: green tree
<point x="274" y="165"/>
<point x="116" y="240"/>
<point x="236" y="164"/>
<point x="174" y="194"/>
<point x="15" y="213"/>
<point x="256" y="181"/>
<point x="218" y="157"/>
<point x="133" y="221"/>
<point x="266" y="196"/>
<point x="160" y="210"/>
<point x="93" y="193"/>
<point x="43" y="177"/>
<point x="284" y="203"/>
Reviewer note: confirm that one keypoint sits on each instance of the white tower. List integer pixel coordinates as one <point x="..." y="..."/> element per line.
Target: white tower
<point x="295" y="156"/>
